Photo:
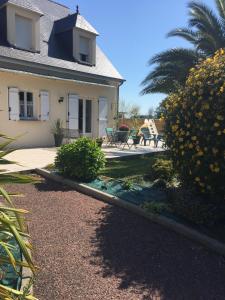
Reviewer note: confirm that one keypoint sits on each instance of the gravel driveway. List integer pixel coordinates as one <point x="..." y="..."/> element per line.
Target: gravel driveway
<point x="90" y="250"/>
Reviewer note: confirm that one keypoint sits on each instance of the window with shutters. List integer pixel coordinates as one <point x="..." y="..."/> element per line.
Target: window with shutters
<point x="26" y="104"/>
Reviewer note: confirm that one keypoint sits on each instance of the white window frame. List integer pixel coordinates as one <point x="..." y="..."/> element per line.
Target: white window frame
<point x="25" y="117"/>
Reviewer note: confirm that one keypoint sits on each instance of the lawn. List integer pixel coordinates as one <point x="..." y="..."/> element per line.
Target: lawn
<point x="132" y="168"/>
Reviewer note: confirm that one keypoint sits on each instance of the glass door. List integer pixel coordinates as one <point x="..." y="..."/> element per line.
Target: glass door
<point x="85" y="117"/>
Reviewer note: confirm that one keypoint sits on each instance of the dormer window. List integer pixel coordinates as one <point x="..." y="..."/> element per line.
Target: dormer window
<point x="23" y="27"/>
<point x="84" y="49"/>
<point x="23" y="32"/>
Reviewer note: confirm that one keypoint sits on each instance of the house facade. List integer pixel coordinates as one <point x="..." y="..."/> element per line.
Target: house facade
<point x="51" y="68"/>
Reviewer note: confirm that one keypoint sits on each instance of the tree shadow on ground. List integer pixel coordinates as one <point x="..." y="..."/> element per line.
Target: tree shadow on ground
<point x="154" y="262"/>
<point x="47" y="185"/>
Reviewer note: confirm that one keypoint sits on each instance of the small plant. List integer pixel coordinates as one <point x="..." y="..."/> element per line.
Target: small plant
<point x="57" y="131"/>
<point x="127" y="185"/>
<point x="82" y="160"/>
<point x="162" y="169"/>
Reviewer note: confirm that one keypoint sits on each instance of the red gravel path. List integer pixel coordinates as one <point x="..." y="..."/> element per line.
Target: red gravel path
<point x="90" y="250"/>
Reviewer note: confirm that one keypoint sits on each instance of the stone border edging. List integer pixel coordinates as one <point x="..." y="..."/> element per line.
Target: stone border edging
<point x="184" y="230"/>
<point x="26" y="276"/>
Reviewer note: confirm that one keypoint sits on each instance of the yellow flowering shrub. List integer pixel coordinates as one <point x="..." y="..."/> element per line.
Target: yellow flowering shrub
<point x="195" y="127"/>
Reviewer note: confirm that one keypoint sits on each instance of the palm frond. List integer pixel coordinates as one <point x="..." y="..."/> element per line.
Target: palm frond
<point x="174" y="55"/>
<point x="205" y="21"/>
<point x="185" y="33"/>
<point x="171" y="70"/>
<point x="220" y="4"/>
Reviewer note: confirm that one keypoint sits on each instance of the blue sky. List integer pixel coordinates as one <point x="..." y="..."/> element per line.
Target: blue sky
<point x="131" y="32"/>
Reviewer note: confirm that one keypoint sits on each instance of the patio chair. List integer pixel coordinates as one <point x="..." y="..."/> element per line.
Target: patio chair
<point x="147" y="136"/>
<point x="132" y="136"/>
<point x="111" y="139"/>
<point x="159" y="138"/>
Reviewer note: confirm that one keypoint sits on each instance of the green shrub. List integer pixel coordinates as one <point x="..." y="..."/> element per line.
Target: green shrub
<point x="195" y="208"/>
<point x="194" y="128"/>
<point x="162" y="169"/>
<point x="82" y="160"/>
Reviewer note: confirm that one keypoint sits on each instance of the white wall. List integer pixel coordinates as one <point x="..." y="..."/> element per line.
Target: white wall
<point x="38" y="133"/>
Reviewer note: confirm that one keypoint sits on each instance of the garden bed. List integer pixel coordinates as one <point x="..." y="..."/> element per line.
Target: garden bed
<point x="140" y="195"/>
<point x="110" y="190"/>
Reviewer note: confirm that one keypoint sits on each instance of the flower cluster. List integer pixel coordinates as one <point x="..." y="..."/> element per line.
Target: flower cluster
<point x="195" y="126"/>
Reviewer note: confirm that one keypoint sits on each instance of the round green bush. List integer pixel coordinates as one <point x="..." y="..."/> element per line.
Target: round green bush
<point x="82" y="160"/>
<point x="195" y="128"/>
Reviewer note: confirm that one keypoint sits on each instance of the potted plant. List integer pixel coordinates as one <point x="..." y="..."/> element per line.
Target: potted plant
<point x="57" y="131"/>
<point x="136" y="136"/>
<point x="122" y="134"/>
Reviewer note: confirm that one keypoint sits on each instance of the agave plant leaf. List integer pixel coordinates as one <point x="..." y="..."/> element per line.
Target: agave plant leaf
<point x="14" y="195"/>
<point x="8" y="294"/>
<point x="8" y="200"/>
<point x="10" y="255"/>
<point x="20" y="241"/>
<point x="17" y="178"/>
<point x="17" y="262"/>
<point x="16" y="210"/>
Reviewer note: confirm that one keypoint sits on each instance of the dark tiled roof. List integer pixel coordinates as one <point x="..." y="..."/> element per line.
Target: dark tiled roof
<point x="74" y="20"/>
<point x="27" y="4"/>
<point x="56" y="26"/>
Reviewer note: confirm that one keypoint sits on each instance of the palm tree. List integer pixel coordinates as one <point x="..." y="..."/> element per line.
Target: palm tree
<point x="206" y="34"/>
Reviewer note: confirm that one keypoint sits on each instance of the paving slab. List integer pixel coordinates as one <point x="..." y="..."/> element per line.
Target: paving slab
<point x="29" y="159"/>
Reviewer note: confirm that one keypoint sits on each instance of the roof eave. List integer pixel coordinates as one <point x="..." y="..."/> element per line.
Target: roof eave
<point x="25" y="8"/>
<point x="61" y="71"/>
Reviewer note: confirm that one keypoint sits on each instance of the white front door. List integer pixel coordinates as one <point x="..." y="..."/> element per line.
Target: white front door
<point x="103" y="116"/>
<point x="73" y="109"/>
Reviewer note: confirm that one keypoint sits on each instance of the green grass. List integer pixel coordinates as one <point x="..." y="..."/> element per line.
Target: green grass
<point x="130" y="167"/>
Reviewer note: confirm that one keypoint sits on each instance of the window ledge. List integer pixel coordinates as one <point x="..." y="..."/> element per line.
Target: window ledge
<point x="29" y="119"/>
<point x="26" y="50"/>
<point x="86" y="63"/>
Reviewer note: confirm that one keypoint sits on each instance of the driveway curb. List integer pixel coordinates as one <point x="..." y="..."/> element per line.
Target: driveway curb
<point x="184" y="230"/>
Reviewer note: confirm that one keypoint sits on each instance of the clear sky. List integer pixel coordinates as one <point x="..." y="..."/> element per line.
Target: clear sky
<point x="133" y="31"/>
